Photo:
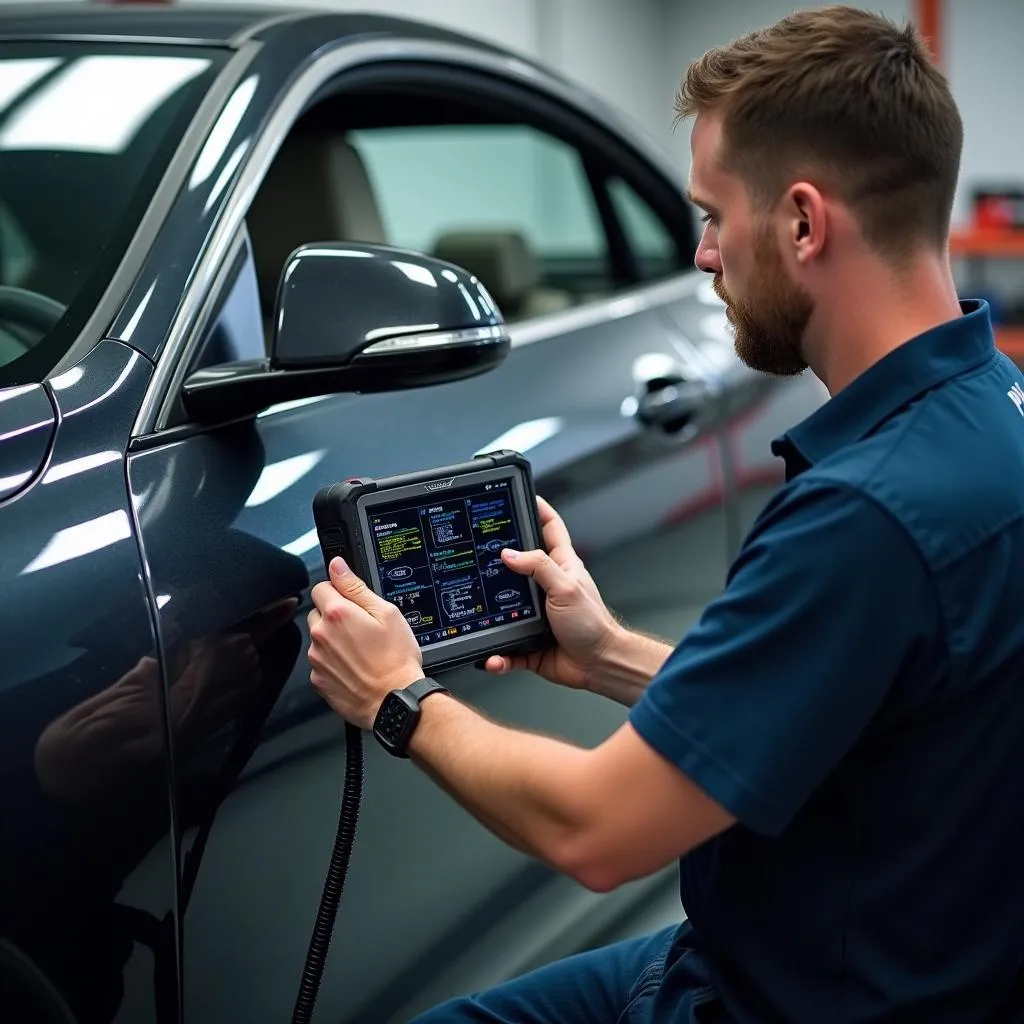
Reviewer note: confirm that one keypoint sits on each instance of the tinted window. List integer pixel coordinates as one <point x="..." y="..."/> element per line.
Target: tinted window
<point x="86" y="132"/>
<point x="508" y="202"/>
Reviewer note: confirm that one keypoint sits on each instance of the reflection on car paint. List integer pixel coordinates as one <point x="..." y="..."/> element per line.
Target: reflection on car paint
<point x="88" y="879"/>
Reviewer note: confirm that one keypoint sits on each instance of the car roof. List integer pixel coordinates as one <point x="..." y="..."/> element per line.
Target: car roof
<point x="206" y="22"/>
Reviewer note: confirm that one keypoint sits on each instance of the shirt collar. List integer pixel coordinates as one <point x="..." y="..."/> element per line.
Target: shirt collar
<point x="890" y="384"/>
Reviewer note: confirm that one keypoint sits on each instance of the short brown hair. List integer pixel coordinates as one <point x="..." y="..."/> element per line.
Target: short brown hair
<point x="850" y="96"/>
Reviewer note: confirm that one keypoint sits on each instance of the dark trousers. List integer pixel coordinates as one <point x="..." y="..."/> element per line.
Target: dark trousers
<point x="614" y="985"/>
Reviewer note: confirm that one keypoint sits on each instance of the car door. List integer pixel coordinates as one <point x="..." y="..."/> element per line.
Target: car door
<point x="86" y="864"/>
<point x="434" y="904"/>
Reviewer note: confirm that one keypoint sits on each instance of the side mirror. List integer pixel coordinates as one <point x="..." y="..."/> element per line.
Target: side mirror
<point x="358" y="317"/>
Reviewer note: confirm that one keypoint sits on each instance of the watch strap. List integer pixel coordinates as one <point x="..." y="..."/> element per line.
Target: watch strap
<point x="424" y="687"/>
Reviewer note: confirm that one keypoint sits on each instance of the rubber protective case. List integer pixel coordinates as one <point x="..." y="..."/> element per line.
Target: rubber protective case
<point x="336" y="514"/>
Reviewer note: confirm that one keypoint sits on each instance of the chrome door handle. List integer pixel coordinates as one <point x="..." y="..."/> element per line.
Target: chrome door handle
<point x="671" y="404"/>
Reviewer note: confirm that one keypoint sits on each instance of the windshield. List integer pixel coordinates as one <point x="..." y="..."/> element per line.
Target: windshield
<point x="86" y="133"/>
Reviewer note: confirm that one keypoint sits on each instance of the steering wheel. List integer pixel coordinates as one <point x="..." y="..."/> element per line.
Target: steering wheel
<point x="29" y="309"/>
<point x="24" y="308"/>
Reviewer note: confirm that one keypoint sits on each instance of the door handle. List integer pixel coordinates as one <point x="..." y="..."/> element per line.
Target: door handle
<point x="670" y="404"/>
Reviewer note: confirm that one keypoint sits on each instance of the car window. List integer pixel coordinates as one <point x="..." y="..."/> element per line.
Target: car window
<point x="655" y="252"/>
<point x="508" y="202"/>
<point x="86" y="132"/>
<point x="467" y="175"/>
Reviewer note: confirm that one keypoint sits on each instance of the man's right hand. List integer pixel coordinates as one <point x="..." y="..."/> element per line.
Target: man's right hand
<point x="584" y="628"/>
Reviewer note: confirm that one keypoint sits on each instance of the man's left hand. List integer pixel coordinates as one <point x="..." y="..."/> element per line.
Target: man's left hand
<point x="361" y="649"/>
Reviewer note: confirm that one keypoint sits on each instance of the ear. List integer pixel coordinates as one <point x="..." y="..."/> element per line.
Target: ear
<point x="805" y="219"/>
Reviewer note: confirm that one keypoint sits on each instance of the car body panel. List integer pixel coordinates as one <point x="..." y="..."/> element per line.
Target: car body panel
<point x="27" y="424"/>
<point x="245" y="540"/>
<point x="208" y="535"/>
<point x="192" y="23"/>
<point x="86" y="863"/>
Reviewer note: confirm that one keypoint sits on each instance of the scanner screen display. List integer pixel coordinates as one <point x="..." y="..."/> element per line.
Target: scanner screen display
<point x="439" y="561"/>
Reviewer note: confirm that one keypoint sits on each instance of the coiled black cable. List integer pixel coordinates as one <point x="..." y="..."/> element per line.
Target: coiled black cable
<point x="334" y="884"/>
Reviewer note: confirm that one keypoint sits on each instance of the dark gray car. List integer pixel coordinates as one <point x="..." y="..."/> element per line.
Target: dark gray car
<point x="169" y="783"/>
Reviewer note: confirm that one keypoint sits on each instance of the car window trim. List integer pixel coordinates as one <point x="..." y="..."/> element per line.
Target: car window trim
<point x="628" y="302"/>
<point x="622" y="259"/>
<point x="231" y="266"/>
<point x="348" y="56"/>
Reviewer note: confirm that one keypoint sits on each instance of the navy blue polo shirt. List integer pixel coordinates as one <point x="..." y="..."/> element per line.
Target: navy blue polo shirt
<point x="855" y="698"/>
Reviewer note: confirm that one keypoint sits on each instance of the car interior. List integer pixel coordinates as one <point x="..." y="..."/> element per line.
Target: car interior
<point x="51" y="252"/>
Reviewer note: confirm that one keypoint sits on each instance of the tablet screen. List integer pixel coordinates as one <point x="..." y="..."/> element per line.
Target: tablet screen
<point x="439" y="561"/>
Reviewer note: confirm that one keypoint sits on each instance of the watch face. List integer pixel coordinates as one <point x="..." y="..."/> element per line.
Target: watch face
<point x="396" y="714"/>
<point x="395" y="719"/>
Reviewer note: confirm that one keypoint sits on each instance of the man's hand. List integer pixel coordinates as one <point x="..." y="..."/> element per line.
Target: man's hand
<point x="583" y="626"/>
<point x="362" y="647"/>
<point x="593" y="652"/>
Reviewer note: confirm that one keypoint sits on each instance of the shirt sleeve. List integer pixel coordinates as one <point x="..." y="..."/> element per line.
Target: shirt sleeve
<point x="828" y="604"/>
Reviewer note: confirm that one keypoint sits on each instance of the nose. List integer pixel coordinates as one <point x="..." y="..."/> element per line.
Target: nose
<point x="708" y="258"/>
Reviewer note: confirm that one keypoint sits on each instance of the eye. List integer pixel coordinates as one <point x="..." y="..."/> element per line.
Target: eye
<point x="707" y="218"/>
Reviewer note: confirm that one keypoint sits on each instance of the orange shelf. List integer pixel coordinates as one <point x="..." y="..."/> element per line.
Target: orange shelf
<point x="986" y="243"/>
<point x="1011" y="341"/>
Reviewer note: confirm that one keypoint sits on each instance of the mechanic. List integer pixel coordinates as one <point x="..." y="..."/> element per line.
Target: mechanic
<point x="835" y="752"/>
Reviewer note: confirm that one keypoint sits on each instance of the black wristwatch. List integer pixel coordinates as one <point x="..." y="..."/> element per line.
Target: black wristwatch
<point x="399" y="714"/>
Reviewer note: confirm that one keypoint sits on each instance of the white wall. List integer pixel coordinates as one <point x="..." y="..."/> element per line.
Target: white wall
<point x="694" y="27"/>
<point x="981" y="55"/>
<point x="983" y="60"/>
<point x="617" y="48"/>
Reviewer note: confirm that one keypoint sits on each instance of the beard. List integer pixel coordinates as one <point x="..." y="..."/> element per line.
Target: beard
<point x="769" y="322"/>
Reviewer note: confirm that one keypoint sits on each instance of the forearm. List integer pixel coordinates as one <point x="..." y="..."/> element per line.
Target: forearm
<point x="631" y="661"/>
<point x="517" y="784"/>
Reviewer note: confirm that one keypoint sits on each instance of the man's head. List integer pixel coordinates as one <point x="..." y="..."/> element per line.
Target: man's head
<point x="821" y="144"/>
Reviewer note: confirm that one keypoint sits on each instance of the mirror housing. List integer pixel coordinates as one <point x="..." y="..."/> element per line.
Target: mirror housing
<point x="355" y="317"/>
